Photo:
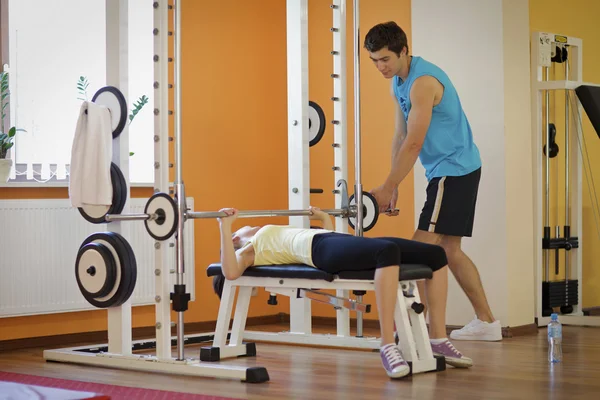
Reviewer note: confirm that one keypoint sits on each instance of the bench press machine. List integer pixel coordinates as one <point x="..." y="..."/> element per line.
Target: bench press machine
<point x="303" y="282"/>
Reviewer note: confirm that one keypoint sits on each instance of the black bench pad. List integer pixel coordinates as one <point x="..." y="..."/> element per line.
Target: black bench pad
<point x="408" y="272"/>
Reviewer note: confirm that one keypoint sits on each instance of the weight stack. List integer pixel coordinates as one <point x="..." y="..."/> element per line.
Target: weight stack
<point x="559" y="294"/>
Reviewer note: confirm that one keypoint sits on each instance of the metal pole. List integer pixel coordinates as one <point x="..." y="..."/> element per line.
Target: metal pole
<point x="179" y="188"/>
<point x="547" y="213"/>
<point x="357" y="143"/>
<point x="567" y="230"/>
<point x="265" y="213"/>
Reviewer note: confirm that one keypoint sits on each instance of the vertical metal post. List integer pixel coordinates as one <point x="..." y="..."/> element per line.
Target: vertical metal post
<point x="117" y="73"/>
<point x="340" y="105"/>
<point x="161" y="174"/>
<point x="298" y="139"/>
<point x="357" y="141"/>
<point x="567" y="228"/>
<point x="340" y="148"/>
<point x="547" y="191"/>
<point x="179" y="188"/>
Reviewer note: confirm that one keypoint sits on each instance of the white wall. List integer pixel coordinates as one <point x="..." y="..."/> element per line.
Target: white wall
<point x="465" y="38"/>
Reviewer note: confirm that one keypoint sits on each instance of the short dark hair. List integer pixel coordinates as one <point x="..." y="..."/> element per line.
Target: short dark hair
<point x="387" y="34"/>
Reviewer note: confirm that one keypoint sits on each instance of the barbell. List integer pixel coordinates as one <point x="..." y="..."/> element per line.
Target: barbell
<point x="161" y="214"/>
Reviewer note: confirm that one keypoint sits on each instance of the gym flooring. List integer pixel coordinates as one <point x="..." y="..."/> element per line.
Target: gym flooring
<point x="516" y="368"/>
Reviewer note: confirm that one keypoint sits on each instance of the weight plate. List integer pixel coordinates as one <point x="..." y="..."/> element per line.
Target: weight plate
<point x="125" y="266"/>
<point x="121" y="187"/>
<point x="165" y="225"/>
<point x="96" y="213"/>
<point x="113" y="99"/>
<point x="370" y="212"/>
<point x="132" y="264"/>
<point x="96" y="270"/>
<point x="316" y="123"/>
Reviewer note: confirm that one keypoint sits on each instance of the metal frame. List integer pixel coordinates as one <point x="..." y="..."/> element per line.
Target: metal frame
<point x="541" y="43"/>
<point x="119" y="349"/>
<point x="118" y="353"/>
<point x="411" y="327"/>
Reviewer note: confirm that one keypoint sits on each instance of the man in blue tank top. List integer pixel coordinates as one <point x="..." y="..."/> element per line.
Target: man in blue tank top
<point x="432" y="126"/>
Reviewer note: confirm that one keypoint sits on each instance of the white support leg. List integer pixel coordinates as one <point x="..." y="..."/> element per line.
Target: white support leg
<point x="161" y="174"/>
<point x="419" y="327"/>
<point x="117" y="71"/>
<point x="343" y="315"/>
<point x="404" y="329"/>
<point x="241" y="315"/>
<point x="224" y="317"/>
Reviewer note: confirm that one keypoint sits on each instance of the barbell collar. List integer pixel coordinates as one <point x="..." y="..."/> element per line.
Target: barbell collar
<point x="130" y="217"/>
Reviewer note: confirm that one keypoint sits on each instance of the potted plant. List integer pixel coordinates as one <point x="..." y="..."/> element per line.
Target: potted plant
<point x="6" y="138"/>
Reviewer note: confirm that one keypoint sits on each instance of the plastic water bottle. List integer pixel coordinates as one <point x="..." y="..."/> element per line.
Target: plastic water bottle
<point x="554" y="339"/>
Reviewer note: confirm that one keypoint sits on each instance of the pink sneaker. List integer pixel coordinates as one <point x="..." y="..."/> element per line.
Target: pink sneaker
<point x="392" y="361"/>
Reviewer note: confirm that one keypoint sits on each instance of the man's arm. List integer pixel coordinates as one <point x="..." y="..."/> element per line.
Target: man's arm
<point x="399" y="127"/>
<point x="422" y="97"/>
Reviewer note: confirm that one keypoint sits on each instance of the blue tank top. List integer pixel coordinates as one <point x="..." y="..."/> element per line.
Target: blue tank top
<point x="449" y="149"/>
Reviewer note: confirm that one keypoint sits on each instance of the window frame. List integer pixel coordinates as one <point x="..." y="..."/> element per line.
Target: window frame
<point x="22" y="180"/>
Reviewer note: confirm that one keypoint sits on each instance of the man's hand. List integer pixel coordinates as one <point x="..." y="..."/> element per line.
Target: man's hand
<point x="392" y="211"/>
<point x="232" y="214"/>
<point x="384" y="196"/>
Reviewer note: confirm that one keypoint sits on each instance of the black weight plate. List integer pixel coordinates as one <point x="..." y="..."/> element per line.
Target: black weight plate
<point x="370" y="212"/>
<point x="123" y="275"/>
<point x="132" y="266"/>
<point x="161" y="230"/>
<point x="124" y="191"/>
<point x="121" y="187"/>
<point x="101" y="263"/>
<point x="86" y="212"/>
<point x="316" y="123"/>
<point x="112" y="98"/>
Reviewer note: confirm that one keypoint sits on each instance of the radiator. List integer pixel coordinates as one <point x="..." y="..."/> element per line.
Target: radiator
<point x="39" y="240"/>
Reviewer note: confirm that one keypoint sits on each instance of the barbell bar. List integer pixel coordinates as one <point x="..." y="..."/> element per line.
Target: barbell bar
<point x="351" y="212"/>
<point x="270" y="213"/>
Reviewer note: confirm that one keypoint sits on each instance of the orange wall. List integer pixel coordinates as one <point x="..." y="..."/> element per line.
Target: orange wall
<point x="234" y="134"/>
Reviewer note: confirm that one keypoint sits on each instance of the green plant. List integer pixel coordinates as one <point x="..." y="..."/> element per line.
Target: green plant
<point x="6" y="138"/>
<point x="82" y="86"/>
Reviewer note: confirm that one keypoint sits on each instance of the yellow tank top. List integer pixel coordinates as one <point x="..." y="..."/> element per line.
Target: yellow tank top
<point x="278" y="244"/>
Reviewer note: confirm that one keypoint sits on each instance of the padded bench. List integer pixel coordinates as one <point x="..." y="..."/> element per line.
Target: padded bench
<point x="408" y="272"/>
<point x="299" y="282"/>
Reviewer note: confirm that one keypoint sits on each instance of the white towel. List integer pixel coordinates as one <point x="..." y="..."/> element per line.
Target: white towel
<point x="91" y="155"/>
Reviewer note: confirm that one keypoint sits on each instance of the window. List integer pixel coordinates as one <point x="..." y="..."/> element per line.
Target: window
<point x="49" y="52"/>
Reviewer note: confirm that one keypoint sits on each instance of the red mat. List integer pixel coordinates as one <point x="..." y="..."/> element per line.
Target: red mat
<point x="115" y="392"/>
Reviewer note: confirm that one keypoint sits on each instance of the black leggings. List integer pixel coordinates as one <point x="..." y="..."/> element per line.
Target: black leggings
<point x="335" y="252"/>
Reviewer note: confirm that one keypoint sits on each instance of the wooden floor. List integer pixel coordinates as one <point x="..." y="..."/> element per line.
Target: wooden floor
<point x="515" y="368"/>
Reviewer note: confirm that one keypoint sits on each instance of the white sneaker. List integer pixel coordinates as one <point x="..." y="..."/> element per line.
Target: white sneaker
<point x="479" y="330"/>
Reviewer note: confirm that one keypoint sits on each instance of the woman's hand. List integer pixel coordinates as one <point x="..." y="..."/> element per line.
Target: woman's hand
<point x="232" y="214"/>
<point x="317" y="214"/>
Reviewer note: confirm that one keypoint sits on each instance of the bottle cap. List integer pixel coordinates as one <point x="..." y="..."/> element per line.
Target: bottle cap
<point x="554" y="317"/>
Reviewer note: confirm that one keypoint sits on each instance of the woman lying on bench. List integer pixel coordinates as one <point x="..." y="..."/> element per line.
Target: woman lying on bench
<point x="333" y="252"/>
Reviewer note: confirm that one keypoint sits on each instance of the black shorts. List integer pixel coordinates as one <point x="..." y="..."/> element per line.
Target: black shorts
<point x="450" y="205"/>
<point x="334" y="252"/>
